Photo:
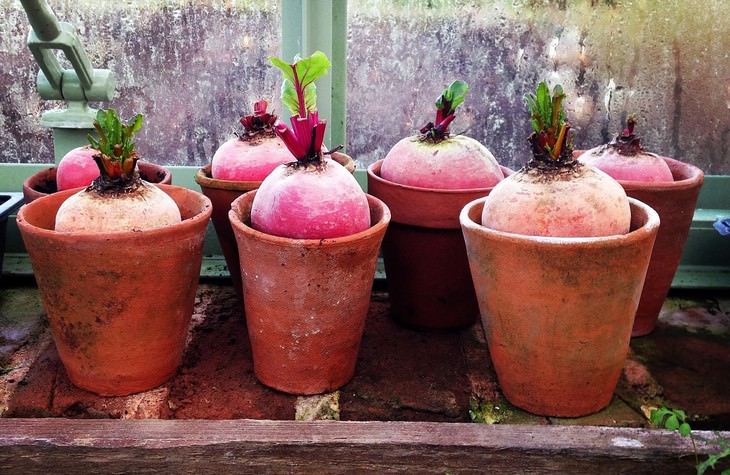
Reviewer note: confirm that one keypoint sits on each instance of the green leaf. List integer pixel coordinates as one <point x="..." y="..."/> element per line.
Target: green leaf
<point x="291" y="101"/>
<point x="454" y="94"/>
<point x="299" y="79"/>
<point x="671" y="423"/>
<point x="684" y="429"/>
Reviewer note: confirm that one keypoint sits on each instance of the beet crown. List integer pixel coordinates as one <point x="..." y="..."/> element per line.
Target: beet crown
<point x="260" y="122"/>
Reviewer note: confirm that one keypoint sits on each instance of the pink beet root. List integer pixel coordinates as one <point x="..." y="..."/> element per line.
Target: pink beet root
<point x="310" y="202"/>
<point x="458" y="162"/>
<point x="248" y="160"/>
<point x="554" y="195"/>
<point x="77" y="168"/>
<point x="625" y="159"/>
<point x="436" y="159"/>
<point x="643" y="166"/>
<point x="573" y="202"/>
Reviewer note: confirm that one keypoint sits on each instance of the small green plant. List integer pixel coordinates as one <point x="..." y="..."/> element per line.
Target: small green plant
<point x="485" y="412"/>
<point x="675" y="420"/>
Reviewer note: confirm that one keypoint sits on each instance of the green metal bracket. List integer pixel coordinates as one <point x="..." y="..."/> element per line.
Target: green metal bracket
<point x="311" y="25"/>
<point x="76" y="86"/>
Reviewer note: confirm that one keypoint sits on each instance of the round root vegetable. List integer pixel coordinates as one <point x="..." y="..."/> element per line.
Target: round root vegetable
<point x="252" y="155"/>
<point x="118" y="199"/>
<point x="76" y="168"/>
<point x="312" y="198"/>
<point x="435" y="159"/>
<point x="625" y="159"/>
<point x="553" y="195"/>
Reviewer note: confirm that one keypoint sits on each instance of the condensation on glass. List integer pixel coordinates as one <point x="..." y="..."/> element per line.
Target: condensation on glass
<point x="192" y="68"/>
<point x="665" y="61"/>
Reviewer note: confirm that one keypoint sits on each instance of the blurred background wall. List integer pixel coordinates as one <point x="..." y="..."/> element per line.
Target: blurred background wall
<point x="194" y="66"/>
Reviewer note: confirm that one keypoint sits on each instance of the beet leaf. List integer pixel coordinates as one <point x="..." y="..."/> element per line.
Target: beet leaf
<point x="117" y="156"/>
<point x="298" y="93"/>
<point x="550" y="137"/>
<point x="446" y="104"/>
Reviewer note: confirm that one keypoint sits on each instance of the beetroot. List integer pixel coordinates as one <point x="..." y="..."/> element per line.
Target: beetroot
<point x="313" y="197"/>
<point x="252" y="155"/>
<point x="625" y="159"/>
<point x="554" y="195"/>
<point x="77" y="168"/>
<point x="118" y="199"/>
<point x="435" y="159"/>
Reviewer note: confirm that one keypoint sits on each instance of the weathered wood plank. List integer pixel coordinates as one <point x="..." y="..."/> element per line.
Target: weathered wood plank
<point x="250" y="446"/>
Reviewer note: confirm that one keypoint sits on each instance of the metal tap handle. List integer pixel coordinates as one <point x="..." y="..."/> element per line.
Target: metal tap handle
<point x="42" y="19"/>
<point x="83" y="83"/>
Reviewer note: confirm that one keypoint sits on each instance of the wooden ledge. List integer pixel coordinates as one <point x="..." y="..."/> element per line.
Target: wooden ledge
<point x="203" y="446"/>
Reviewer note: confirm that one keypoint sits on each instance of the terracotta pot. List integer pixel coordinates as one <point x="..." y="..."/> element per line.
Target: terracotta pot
<point x="306" y="300"/>
<point x="222" y="193"/>
<point x="119" y="304"/>
<point x="675" y="202"/>
<point x="558" y="312"/>
<point x="43" y="182"/>
<point x="427" y="270"/>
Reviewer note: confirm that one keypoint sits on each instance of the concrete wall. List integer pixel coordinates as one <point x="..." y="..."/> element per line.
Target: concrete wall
<point x="192" y="67"/>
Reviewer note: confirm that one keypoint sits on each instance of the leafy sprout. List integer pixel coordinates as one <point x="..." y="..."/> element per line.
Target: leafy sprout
<point x="117" y="155"/>
<point x="298" y="93"/>
<point x="446" y="104"/>
<point x="549" y="128"/>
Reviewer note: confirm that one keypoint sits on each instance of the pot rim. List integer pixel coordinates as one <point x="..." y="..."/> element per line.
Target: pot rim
<point x="374" y="173"/>
<point x="150" y="234"/>
<point x="52" y="170"/>
<point x="204" y="176"/>
<point x="642" y="232"/>
<point x="694" y="176"/>
<point x="374" y="229"/>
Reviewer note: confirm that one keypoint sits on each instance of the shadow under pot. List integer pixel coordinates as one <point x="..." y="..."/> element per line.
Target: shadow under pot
<point x="557" y="312"/>
<point x="222" y="193"/>
<point x="119" y="304"/>
<point x="426" y="266"/>
<point x="43" y="182"/>
<point x="306" y="300"/>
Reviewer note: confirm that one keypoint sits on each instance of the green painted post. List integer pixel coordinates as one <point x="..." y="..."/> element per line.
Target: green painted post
<point x="76" y="86"/>
<point x="311" y="25"/>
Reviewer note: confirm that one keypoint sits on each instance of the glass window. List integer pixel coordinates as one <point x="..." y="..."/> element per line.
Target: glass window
<point x="192" y="68"/>
<point x="665" y="61"/>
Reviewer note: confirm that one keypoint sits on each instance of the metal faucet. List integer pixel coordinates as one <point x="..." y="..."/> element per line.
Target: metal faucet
<point x="75" y="86"/>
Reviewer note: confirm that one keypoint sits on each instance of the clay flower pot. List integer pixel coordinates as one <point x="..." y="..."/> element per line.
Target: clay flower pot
<point x="558" y="312"/>
<point x="43" y="182"/>
<point x="675" y="202"/>
<point x="427" y="270"/>
<point x="119" y="304"/>
<point x="222" y="193"/>
<point x="306" y="300"/>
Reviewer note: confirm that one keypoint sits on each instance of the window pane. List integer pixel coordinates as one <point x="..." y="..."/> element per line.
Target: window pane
<point x="665" y="61"/>
<point x="192" y="68"/>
